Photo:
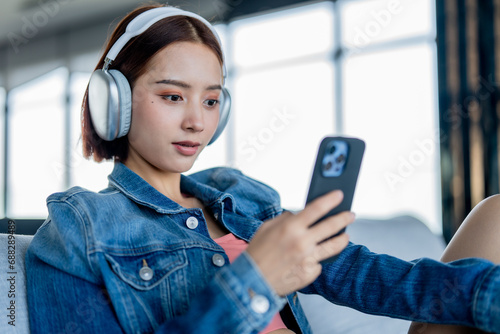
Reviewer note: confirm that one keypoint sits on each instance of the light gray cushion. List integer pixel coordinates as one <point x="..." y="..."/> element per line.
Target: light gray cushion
<point x="405" y="237"/>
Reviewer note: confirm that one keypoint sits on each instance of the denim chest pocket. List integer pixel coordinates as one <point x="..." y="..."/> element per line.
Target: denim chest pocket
<point x="146" y="271"/>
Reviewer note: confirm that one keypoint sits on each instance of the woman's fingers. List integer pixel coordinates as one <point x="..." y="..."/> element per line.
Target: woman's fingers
<point x="320" y="207"/>
<point x="288" y="250"/>
<point x="331" y="226"/>
<point x="324" y="235"/>
<point x="331" y="247"/>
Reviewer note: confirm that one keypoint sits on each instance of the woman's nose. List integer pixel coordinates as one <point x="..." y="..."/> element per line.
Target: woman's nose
<point x="193" y="119"/>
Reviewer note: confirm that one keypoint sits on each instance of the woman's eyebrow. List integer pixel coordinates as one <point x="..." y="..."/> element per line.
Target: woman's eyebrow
<point x="174" y="82"/>
<point x="183" y="84"/>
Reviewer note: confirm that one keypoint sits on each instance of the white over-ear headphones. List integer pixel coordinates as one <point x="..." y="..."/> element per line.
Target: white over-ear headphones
<point x="109" y="93"/>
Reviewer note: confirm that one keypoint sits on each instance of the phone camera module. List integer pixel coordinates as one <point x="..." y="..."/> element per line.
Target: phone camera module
<point x="335" y="158"/>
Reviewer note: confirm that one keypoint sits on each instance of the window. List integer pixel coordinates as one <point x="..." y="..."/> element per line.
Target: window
<point x="398" y="122"/>
<point x="290" y="90"/>
<point x="283" y="36"/>
<point x="36" y="144"/>
<point x="283" y="92"/>
<point x="366" y="23"/>
<point x="391" y="63"/>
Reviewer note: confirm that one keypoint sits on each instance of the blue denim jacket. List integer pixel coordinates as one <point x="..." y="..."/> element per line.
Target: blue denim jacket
<point x="128" y="259"/>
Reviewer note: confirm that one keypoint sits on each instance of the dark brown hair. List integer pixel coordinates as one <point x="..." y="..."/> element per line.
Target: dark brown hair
<point x="132" y="61"/>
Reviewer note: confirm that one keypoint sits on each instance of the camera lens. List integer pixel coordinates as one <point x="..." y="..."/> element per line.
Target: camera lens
<point x="333" y="149"/>
<point x="327" y="166"/>
<point x="340" y="158"/>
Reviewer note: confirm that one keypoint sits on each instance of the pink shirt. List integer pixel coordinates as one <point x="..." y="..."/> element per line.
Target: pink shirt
<point x="234" y="247"/>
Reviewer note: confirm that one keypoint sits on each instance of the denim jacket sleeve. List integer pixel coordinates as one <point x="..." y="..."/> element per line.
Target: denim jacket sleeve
<point x="67" y="292"/>
<point x="463" y="292"/>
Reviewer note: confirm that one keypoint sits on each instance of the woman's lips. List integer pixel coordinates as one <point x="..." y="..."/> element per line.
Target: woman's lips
<point x="186" y="147"/>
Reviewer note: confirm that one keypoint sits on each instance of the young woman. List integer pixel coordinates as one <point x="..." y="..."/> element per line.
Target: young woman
<point x="213" y="252"/>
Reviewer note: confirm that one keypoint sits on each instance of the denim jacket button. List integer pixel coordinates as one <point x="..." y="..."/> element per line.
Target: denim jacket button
<point x="216" y="216"/>
<point x="218" y="260"/>
<point x="259" y="304"/>
<point x="192" y="223"/>
<point x="146" y="273"/>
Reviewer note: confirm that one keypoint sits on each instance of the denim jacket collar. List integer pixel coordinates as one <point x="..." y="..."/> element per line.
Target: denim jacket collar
<point x="141" y="192"/>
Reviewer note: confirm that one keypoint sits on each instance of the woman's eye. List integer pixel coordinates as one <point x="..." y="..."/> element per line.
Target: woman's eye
<point x="211" y="103"/>
<point x="173" y="98"/>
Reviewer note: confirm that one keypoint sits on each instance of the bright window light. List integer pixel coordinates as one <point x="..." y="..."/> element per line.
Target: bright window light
<point x="388" y="99"/>
<point x="368" y="22"/>
<point x="282" y="115"/>
<point x="397" y="117"/>
<point x="284" y="106"/>
<point x="36" y="144"/>
<point x="284" y="35"/>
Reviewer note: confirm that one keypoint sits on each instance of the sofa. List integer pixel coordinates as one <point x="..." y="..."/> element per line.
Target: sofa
<point x="404" y="236"/>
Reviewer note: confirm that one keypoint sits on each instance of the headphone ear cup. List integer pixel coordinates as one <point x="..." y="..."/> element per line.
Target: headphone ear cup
<point x="124" y="102"/>
<point x="110" y="101"/>
<point x="224" y="112"/>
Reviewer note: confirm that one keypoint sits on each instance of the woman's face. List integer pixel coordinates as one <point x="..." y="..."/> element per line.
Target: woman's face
<point x="175" y="108"/>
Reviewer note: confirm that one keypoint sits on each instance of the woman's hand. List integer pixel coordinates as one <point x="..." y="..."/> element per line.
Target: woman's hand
<point x="287" y="249"/>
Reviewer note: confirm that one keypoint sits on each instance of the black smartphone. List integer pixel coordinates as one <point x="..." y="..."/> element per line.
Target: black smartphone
<point x="337" y="167"/>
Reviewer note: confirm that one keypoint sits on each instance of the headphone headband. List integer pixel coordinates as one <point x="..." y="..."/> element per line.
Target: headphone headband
<point x="145" y="20"/>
